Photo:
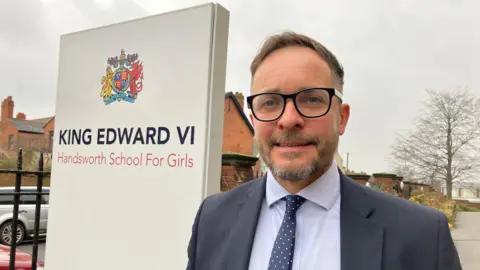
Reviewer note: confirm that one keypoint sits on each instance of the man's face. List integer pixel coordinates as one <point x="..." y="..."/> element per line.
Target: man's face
<point x="288" y="71"/>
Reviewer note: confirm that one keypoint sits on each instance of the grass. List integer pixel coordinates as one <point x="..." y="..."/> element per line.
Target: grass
<point x="466" y="208"/>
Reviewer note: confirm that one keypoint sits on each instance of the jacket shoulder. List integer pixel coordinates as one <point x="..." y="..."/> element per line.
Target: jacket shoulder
<point x="226" y="198"/>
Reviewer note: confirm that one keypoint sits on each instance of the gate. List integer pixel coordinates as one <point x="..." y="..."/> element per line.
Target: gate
<point x="19" y="172"/>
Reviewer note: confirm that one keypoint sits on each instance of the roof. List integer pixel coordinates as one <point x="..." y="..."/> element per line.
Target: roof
<point x="43" y="120"/>
<point x="27" y="125"/>
<point x="240" y="110"/>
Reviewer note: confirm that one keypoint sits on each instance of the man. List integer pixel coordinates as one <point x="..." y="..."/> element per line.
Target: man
<point x="305" y="214"/>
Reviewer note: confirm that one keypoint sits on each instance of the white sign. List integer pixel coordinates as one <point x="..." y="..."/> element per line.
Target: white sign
<point x="138" y="139"/>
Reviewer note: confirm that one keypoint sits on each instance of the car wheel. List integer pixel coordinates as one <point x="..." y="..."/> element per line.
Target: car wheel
<point x="6" y="233"/>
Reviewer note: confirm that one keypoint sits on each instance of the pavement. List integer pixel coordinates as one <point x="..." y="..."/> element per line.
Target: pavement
<point x="466" y="236"/>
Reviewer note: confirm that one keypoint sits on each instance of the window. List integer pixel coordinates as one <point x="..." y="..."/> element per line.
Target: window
<point x="10" y="142"/>
<point x="28" y="199"/>
<point x="6" y="199"/>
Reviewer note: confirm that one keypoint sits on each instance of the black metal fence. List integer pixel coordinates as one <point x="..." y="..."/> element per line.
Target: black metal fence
<point x="19" y="172"/>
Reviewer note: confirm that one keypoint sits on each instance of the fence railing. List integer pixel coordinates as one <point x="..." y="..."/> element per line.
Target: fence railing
<point x="19" y="172"/>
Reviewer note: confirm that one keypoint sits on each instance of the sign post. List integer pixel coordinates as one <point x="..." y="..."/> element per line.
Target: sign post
<point x="138" y="139"/>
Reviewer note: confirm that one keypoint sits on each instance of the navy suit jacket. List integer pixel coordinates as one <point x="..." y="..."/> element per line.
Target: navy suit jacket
<point x="378" y="231"/>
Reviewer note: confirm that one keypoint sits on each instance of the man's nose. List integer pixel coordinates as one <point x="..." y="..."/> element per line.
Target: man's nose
<point x="290" y="117"/>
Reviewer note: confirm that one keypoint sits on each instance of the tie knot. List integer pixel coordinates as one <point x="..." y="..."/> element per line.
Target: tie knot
<point x="293" y="203"/>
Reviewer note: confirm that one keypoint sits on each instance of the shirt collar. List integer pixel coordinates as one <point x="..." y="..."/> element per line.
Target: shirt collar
<point x="324" y="191"/>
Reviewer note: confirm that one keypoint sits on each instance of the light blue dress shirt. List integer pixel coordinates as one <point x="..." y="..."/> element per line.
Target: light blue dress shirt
<point x="317" y="243"/>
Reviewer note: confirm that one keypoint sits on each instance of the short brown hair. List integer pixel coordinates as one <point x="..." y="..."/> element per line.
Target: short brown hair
<point x="287" y="39"/>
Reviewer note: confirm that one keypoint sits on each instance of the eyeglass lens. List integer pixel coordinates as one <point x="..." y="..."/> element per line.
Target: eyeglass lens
<point x="310" y="103"/>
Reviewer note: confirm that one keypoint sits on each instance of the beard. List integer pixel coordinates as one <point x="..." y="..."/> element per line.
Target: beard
<point x="325" y="153"/>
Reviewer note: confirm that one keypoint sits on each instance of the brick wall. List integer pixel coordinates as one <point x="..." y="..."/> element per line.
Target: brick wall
<point x="23" y="140"/>
<point x="32" y="141"/>
<point x="26" y="141"/>
<point x="49" y="127"/>
<point x="237" y="136"/>
<point x="236" y="170"/>
<point x="359" y="178"/>
<point x="233" y="176"/>
<point x="474" y="205"/>
<point x="386" y="179"/>
<point x="6" y="129"/>
<point x="468" y="203"/>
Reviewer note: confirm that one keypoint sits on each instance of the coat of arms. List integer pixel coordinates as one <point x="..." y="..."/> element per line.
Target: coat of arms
<point x="123" y="78"/>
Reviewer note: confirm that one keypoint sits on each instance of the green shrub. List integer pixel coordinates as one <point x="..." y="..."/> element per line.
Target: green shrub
<point x="8" y="163"/>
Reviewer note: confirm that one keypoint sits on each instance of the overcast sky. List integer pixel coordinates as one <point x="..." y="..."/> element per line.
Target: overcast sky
<point x="391" y="51"/>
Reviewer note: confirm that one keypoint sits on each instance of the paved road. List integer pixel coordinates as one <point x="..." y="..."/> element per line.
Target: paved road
<point x="28" y="247"/>
<point x="467" y="239"/>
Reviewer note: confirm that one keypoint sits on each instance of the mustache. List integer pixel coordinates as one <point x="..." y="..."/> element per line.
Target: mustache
<point x="291" y="136"/>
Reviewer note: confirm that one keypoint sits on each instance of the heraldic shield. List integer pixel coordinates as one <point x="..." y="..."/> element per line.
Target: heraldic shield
<point x="123" y="79"/>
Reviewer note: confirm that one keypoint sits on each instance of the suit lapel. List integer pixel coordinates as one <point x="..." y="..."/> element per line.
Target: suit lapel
<point x="361" y="238"/>
<point x="243" y="231"/>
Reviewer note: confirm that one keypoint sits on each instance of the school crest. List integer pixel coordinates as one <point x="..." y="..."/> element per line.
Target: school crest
<point x="123" y="80"/>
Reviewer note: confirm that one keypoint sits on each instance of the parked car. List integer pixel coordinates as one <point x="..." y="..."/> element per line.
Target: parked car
<point x="23" y="261"/>
<point x="26" y="214"/>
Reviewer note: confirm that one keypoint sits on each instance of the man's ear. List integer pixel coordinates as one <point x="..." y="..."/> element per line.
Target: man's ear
<point x="251" y="119"/>
<point x="344" y="116"/>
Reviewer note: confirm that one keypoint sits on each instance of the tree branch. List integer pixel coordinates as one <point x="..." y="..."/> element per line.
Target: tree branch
<point x="445" y="141"/>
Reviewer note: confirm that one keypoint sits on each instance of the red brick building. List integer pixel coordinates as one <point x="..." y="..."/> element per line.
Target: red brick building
<point x="239" y="160"/>
<point x="237" y="130"/>
<point x="20" y="132"/>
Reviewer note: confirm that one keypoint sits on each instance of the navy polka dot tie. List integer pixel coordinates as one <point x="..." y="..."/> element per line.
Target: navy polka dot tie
<point x="282" y="252"/>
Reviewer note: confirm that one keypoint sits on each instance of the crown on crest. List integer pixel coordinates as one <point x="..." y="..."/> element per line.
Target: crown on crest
<point x="123" y="55"/>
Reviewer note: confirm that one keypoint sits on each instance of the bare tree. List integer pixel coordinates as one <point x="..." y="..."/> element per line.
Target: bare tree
<point x="444" y="144"/>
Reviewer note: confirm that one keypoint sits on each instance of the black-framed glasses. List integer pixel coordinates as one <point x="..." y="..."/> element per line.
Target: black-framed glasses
<point x="310" y="103"/>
